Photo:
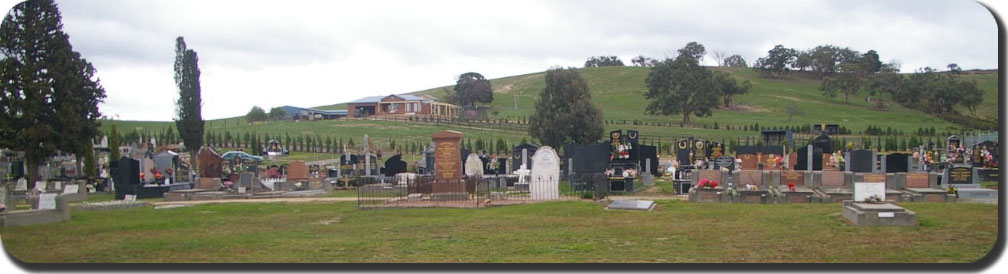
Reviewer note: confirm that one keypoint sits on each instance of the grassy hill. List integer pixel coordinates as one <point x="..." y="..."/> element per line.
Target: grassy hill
<point x="619" y="92"/>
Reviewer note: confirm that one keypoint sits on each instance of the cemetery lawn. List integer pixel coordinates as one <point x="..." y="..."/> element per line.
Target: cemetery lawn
<point x="574" y="231"/>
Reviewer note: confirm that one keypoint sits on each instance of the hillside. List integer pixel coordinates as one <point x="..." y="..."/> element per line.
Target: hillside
<point x="619" y="92"/>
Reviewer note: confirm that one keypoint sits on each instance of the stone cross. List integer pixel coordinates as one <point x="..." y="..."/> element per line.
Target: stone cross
<point x="522" y="173"/>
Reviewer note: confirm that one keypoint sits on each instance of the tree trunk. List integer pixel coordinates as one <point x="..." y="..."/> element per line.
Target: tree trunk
<point x="686" y="121"/>
<point x="846" y="97"/>
<point x="32" y="173"/>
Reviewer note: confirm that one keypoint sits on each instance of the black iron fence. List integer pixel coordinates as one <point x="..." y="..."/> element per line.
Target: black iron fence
<point x="425" y="191"/>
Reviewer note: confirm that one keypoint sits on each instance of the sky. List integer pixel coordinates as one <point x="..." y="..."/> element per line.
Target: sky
<point x="313" y="53"/>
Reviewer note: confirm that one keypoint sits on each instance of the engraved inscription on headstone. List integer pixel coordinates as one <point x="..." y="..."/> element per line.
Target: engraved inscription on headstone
<point x="960" y="175"/>
<point x="864" y="190"/>
<point x="447" y="161"/>
<point x="47" y="201"/>
<point x="545" y="176"/>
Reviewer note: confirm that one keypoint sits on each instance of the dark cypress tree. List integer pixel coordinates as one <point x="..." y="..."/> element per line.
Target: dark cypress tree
<point x="189" y="117"/>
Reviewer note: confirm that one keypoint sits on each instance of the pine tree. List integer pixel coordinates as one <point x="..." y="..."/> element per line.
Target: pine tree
<point x="50" y="101"/>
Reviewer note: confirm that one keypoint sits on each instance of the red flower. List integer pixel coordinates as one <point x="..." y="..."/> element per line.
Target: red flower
<point x="703" y="183"/>
<point x="712" y="184"/>
<point x="790" y="186"/>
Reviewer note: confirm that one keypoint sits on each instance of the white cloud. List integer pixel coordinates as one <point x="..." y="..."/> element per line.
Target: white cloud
<point x="309" y="53"/>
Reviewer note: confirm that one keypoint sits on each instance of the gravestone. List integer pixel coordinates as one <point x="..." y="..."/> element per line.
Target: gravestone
<point x="47" y="201"/>
<point x="792" y="177"/>
<point x="959" y="176"/>
<point x="245" y="179"/>
<point x="897" y="162"/>
<point x="862" y="160"/>
<point x="545" y="176"/>
<point x="22" y="185"/>
<point x="145" y="167"/>
<point x="71" y="189"/>
<point x="447" y="165"/>
<point x="473" y="166"/>
<point x="864" y="190"/>
<point x="296" y="171"/>
<point x="918" y="184"/>
<point x="834" y="186"/>
<point x="683" y="149"/>
<point x="801" y="194"/>
<point x="724" y="161"/>
<point x="642" y="205"/>
<point x="165" y="160"/>
<point x="917" y="180"/>
<point x="749" y="161"/>
<point x="749" y="177"/>
<point x="394" y="165"/>
<point x="833" y="179"/>
<point x="804" y="157"/>
<point x="645" y="154"/>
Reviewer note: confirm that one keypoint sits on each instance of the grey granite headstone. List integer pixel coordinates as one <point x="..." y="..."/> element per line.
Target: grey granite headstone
<point x="642" y="205"/>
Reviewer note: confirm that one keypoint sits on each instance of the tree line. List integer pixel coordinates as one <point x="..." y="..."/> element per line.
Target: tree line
<point x="50" y="93"/>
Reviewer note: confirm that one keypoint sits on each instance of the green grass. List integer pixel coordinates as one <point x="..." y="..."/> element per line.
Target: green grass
<point x="619" y="92"/>
<point x="545" y="232"/>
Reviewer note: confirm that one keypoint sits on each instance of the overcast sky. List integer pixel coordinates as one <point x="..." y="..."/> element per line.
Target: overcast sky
<point x="311" y="53"/>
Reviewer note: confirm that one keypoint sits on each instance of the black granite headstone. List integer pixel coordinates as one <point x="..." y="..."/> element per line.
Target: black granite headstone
<point x="394" y="165"/>
<point x="593" y="158"/>
<point x="897" y="162"/>
<point x="960" y="175"/>
<point x="683" y="148"/>
<point x="803" y="159"/>
<point x="823" y="142"/>
<point x="724" y="161"/>
<point x="861" y="160"/>
<point x="646" y="152"/>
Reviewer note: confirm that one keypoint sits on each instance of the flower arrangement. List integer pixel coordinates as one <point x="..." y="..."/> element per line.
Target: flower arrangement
<point x="707" y="184"/>
<point x="622" y="151"/>
<point x="988" y="159"/>
<point x="952" y="190"/>
<point x="627" y="173"/>
<point x="837" y="160"/>
<point x="777" y="162"/>
<point x="609" y="172"/>
<point x="750" y="187"/>
<point x="791" y="187"/>
<point x="874" y="199"/>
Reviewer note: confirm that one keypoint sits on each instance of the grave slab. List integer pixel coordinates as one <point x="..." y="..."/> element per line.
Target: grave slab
<point x="641" y="205"/>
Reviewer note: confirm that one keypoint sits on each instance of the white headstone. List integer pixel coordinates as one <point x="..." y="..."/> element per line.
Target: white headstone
<point x="47" y="201"/>
<point x="863" y="190"/>
<point x="473" y="165"/>
<point x="22" y="185"/>
<point x="40" y="185"/>
<point x="71" y="189"/>
<point x="545" y="176"/>
<point x="58" y="185"/>
<point x="241" y="190"/>
<point x="129" y="197"/>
